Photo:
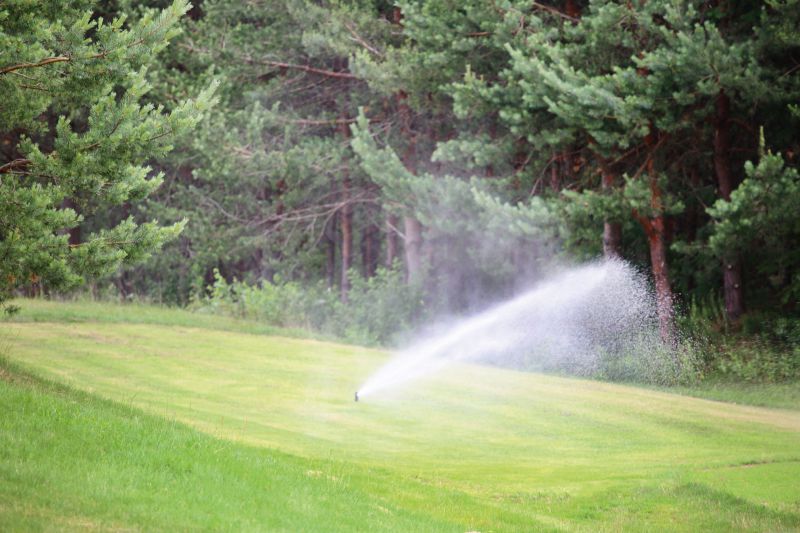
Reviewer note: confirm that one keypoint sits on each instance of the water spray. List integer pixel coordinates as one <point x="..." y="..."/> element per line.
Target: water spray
<point x="565" y="323"/>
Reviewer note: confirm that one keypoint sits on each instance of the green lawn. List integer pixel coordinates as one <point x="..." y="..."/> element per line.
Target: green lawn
<point x="471" y="448"/>
<point x="782" y="395"/>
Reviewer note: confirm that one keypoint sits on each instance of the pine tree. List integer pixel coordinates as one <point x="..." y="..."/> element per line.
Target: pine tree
<point x="630" y="90"/>
<point x="77" y="138"/>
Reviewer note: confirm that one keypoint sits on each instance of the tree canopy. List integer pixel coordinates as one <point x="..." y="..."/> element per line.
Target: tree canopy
<point x="467" y="146"/>
<point x="77" y="136"/>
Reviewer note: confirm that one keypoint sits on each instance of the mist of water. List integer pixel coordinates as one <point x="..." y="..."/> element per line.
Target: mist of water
<point x="568" y="322"/>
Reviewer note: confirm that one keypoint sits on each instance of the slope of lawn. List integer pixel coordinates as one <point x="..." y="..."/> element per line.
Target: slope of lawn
<point x="782" y="395"/>
<point x="70" y="461"/>
<point x="471" y="448"/>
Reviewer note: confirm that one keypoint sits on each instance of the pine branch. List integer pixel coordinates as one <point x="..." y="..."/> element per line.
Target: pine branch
<point x="43" y="62"/>
<point x="63" y="59"/>
<point x="106" y="242"/>
<point x="360" y="40"/>
<point x="555" y="11"/>
<point x="14" y="164"/>
<point x="307" y="68"/>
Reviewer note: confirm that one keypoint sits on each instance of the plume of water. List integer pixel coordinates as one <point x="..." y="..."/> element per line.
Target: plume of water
<point x="574" y="322"/>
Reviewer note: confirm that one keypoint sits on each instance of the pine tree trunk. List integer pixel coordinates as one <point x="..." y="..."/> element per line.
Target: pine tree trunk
<point x="555" y="178"/>
<point x="612" y="231"/>
<point x="572" y="9"/>
<point x="731" y="265"/>
<point x="369" y="247"/>
<point x="657" y="242"/>
<point x="655" y="228"/>
<point x="391" y="240"/>
<point x="658" y="259"/>
<point x="330" y="252"/>
<point x="411" y="226"/>
<point x="346" y="220"/>
<point x="612" y="240"/>
<point x="413" y="247"/>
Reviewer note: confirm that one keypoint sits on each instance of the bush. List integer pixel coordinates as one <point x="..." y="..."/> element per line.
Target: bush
<point x="379" y="308"/>
<point x="757" y="360"/>
<point x="766" y="349"/>
<point x="651" y="363"/>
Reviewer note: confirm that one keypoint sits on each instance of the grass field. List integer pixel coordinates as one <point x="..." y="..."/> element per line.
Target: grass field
<point x="167" y="422"/>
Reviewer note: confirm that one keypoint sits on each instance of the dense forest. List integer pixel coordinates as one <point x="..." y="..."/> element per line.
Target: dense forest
<point x="358" y="168"/>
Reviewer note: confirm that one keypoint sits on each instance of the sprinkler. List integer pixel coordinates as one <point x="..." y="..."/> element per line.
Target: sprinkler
<point x="356" y="395"/>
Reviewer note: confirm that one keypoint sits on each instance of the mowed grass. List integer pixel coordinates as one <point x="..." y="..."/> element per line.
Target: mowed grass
<point x="70" y="461"/>
<point x="782" y="395"/>
<point x="470" y="448"/>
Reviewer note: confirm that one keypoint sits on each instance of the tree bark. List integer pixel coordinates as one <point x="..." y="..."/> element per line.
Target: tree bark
<point x="411" y="226"/>
<point x="658" y="259"/>
<point x="346" y="222"/>
<point x="330" y="252"/>
<point x="413" y="248"/>
<point x="369" y="247"/>
<point x="391" y="240"/>
<point x="572" y="9"/>
<point x="555" y="178"/>
<point x="612" y="231"/>
<point x="731" y="264"/>
<point x="655" y="228"/>
<point x="612" y="240"/>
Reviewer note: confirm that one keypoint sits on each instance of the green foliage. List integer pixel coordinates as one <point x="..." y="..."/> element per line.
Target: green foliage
<point x="511" y="131"/>
<point x="663" y="365"/>
<point x="763" y="349"/>
<point x="757" y="360"/>
<point x="378" y="311"/>
<point x="762" y="214"/>
<point x="78" y="139"/>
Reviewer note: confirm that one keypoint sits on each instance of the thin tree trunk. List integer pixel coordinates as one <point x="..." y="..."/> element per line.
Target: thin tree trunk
<point x="413" y="248"/>
<point x="612" y="240"/>
<point x="731" y="265"/>
<point x="612" y="231"/>
<point x="369" y="246"/>
<point x="555" y="178"/>
<point x="391" y="240"/>
<point x="346" y="221"/>
<point x="330" y="252"/>
<point x="411" y="226"/>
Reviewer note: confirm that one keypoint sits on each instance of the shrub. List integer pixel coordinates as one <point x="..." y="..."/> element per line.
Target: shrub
<point x="379" y="308"/>
<point x="655" y="364"/>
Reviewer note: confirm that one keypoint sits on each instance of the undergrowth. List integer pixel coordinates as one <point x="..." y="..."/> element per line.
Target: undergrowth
<point x="378" y="311"/>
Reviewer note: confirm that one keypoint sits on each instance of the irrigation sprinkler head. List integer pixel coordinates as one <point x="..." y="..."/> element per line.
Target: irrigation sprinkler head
<point x="356" y="395"/>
